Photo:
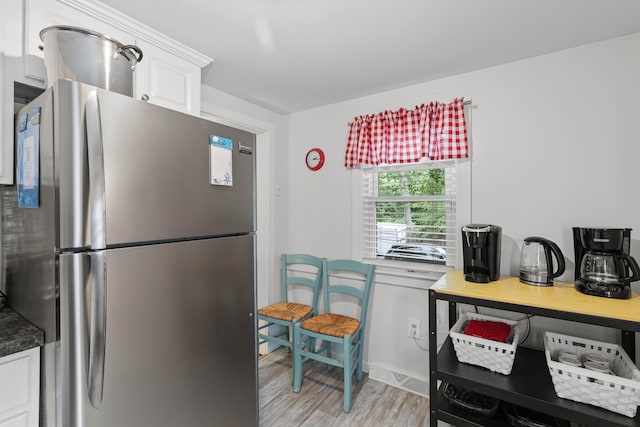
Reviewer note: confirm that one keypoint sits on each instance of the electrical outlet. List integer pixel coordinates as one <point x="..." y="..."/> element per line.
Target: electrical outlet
<point x="414" y="328"/>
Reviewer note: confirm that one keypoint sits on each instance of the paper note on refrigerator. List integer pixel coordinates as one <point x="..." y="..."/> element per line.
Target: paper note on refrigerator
<point x="28" y="160"/>
<point x="220" y="161"/>
<point x="28" y="168"/>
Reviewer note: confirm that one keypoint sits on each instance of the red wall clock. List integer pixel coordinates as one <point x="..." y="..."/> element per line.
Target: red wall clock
<point x="315" y="159"/>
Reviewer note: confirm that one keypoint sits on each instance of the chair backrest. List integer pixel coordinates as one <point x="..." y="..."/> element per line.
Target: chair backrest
<point x="348" y="277"/>
<point x="310" y="275"/>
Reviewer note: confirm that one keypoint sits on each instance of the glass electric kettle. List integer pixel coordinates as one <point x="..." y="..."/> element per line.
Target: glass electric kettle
<point x="536" y="261"/>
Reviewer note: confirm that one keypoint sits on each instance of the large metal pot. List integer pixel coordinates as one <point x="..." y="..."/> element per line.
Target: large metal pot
<point x="87" y="56"/>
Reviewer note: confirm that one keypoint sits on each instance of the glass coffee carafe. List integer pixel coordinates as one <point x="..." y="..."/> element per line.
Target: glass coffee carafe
<point x="608" y="268"/>
<point x="604" y="265"/>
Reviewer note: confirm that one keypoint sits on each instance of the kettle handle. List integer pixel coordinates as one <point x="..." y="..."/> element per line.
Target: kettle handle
<point x="559" y="256"/>
<point x="549" y="245"/>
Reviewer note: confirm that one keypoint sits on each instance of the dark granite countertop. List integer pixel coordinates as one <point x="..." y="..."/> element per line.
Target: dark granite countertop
<point x="17" y="334"/>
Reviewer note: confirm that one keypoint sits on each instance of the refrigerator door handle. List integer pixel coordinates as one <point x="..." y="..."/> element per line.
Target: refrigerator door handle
<point x="98" y="287"/>
<point x="97" y="327"/>
<point x="97" y="205"/>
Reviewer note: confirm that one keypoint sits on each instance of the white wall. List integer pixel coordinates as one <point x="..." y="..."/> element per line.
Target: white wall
<point x="557" y="137"/>
<point x="227" y="109"/>
<point x="554" y="143"/>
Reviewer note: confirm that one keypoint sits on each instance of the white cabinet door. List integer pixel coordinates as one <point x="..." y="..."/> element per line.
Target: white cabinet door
<point x="10" y="45"/>
<point x="11" y="71"/>
<point x="20" y="420"/>
<point x="20" y="389"/>
<point x="11" y="27"/>
<point x="167" y="80"/>
<point x="6" y="129"/>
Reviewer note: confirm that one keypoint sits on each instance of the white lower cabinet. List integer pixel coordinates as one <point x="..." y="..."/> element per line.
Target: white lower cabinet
<point x="20" y="389"/>
<point x="20" y="420"/>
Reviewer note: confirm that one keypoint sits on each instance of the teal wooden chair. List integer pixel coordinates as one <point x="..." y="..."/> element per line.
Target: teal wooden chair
<point x="300" y="275"/>
<point x="344" y="282"/>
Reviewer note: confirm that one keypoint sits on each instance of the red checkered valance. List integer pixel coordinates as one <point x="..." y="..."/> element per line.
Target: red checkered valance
<point x="435" y="131"/>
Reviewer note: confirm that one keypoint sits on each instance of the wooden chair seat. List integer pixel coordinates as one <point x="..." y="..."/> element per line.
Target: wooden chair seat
<point x="286" y="311"/>
<point x="301" y="275"/>
<point x="335" y="325"/>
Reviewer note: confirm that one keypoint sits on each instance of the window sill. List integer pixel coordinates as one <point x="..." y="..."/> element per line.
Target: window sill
<point x="407" y="274"/>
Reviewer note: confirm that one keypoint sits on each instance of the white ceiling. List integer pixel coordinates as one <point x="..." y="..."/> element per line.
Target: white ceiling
<point x="291" y="55"/>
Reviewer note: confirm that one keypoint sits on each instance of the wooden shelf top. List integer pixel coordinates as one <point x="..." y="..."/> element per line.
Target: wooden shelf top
<point x="562" y="296"/>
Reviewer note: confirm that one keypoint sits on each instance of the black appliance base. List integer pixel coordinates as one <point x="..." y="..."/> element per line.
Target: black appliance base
<point x="480" y="276"/>
<point x="619" y="291"/>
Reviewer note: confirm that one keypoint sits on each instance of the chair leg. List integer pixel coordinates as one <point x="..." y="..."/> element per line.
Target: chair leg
<point x="297" y="357"/>
<point x="359" y="361"/>
<point x="328" y="347"/>
<point x="288" y="337"/>
<point x="347" y="374"/>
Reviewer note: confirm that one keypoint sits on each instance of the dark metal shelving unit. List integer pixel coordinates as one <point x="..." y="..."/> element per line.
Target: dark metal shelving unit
<point x="529" y="384"/>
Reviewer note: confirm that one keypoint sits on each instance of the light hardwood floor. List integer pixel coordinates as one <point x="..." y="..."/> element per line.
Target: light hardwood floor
<point x="319" y="403"/>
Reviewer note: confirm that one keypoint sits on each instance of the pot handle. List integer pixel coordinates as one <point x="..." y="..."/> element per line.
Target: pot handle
<point x="134" y="48"/>
<point x="629" y="263"/>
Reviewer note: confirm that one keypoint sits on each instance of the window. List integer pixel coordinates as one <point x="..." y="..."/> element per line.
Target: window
<point x="409" y="214"/>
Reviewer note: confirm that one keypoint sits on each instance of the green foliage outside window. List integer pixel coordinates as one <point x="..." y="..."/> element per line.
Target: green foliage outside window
<point x="425" y="219"/>
<point x="414" y="182"/>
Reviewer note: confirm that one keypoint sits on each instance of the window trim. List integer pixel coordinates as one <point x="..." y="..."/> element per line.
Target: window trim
<point x="397" y="272"/>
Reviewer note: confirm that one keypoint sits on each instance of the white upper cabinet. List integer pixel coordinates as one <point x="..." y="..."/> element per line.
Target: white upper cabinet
<point x="167" y="80"/>
<point x="169" y="73"/>
<point x="6" y="130"/>
<point x="10" y="69"/>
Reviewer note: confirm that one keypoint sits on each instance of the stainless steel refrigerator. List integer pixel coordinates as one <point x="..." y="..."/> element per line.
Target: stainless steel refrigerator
<point x="119" y="244"/>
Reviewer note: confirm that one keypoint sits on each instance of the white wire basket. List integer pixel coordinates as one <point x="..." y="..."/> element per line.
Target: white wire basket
<point x="493" y="355"/>
<point x="618" y="393"/>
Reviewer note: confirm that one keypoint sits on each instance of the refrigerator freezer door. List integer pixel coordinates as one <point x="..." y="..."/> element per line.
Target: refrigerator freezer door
<point x="180" y="337"/>
<point x="156" y="171"/>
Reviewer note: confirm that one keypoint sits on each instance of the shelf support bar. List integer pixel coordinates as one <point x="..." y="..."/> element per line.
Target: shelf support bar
<point x="629" y="343"/>
<point x="433" y="360"/>
<point x="453" y="314"/>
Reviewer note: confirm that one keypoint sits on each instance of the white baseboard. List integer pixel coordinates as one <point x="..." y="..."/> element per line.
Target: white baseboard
<point x="419" y="386"/>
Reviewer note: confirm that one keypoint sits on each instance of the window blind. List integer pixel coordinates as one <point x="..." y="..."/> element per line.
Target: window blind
<point x="409" y="214"/>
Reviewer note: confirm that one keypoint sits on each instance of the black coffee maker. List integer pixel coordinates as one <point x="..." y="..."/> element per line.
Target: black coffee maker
<point x="481" y="252"/>
<point x="603" y="265"/>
